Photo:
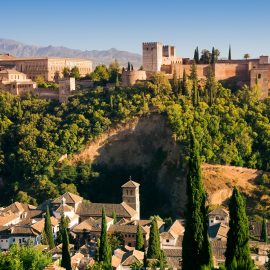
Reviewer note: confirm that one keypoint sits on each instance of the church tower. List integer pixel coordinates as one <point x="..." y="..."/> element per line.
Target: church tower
<point x="131" y="195"/>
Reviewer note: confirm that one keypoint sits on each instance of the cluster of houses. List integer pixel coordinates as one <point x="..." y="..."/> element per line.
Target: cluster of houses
<point x="23" y="223"/>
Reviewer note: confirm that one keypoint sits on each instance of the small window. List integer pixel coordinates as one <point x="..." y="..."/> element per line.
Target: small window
<point x="167" y="240"/>
<point x="259" y="75"/>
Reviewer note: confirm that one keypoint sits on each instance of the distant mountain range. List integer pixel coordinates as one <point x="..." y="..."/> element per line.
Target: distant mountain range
<point x="98" y="57"/>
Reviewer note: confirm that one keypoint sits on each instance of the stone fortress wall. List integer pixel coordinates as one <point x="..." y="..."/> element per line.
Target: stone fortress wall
<point x="158" y="57"/>
<point x="130" y="77"/>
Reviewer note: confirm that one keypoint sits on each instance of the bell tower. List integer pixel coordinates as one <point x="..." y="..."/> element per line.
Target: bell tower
<point x="131" y="195"/>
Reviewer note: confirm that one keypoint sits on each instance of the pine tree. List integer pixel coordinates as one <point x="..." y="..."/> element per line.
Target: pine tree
<point x="194" y="78"/>
<point x="213" y="56"/>
<point x="210" y="85"/>
<point x="264" y="236"/>
<point x="65" y="262"/>
<point x="105" y="255"/>
<point x="230" y="54"/>
<point x="184" y="84"/>
<point x="195" y="242"/>
<point x="237" y="251"/>
<point x="153" y="251"/>
<point x="139" y="239"/>
<point x="48" y="229"/>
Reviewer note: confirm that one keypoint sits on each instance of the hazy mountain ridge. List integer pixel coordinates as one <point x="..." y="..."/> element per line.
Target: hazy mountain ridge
<point x="97" y="56"/>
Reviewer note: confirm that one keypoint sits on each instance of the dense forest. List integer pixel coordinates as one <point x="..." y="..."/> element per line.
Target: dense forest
<point x="232" y="127"/>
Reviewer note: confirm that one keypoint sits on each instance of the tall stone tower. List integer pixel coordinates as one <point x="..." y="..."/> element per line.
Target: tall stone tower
<point x="66" y="86"/>
<point x="152" y="56"/>
<point x="131" y="195"/>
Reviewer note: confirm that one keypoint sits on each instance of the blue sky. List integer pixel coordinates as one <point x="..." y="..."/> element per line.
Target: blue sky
<point x="125" y="24"/>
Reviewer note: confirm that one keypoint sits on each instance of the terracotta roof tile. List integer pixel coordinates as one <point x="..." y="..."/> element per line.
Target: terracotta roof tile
<point x="131" y="257"/>
<point x="218" y="249"/>
<point x="18" y="207"/>
<point x="95" y="209"/>
<point x="70" y="198"/>
<point x="173" y="252"/>
<point x="64" y="208"/>
<point x="219" y="211"/>
<point x="39" y="226"/>
<point x="130" y="184"/>
<point x="218" y="230"/>
<point x="115" y="261"/>
<point x="125" y="229"/>
<point x="177" y="227"/>
<point x="7" y="217"/>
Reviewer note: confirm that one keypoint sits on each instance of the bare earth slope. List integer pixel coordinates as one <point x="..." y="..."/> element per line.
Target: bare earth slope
<point x="147" y="143"/>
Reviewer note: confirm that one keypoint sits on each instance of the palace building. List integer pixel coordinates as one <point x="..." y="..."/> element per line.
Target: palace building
<point x="50" y="68"/>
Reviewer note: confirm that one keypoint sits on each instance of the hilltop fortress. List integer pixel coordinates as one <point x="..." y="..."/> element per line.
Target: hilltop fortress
<point x="162" y="58"/>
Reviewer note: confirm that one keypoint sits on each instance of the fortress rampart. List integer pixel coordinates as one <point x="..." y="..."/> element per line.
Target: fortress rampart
<point x="158" y="57"/>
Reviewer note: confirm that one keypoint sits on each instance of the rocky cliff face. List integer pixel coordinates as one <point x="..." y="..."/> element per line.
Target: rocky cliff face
<point x="145" y="150"/>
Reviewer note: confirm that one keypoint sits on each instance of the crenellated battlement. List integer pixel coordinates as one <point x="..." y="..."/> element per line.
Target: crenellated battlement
<point x="151" y="43"/>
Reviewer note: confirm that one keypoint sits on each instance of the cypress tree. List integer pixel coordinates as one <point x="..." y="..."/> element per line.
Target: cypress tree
<point x="117" y="83"/>
<point x="153" y="251"/>
<point x="237" y="251"/>
<point x="139" y="239"/>
<point x="184" y="84"/>
<point x="180" y="92"/>
<point x="97" y="251"/>
<point x="230" y="54"/>
<point x="194" y="78"/>
<point x="114" y="217"/>
<point x="48" y="229"/>
<point x="264" y="236"/>
<point x="213" y="56"/>
<point x="175" y="82"/>
<point x="196" y="55"/>
<point x="105" y="255"/>
<point x="129" y="66"/>
<point x="65" y="262"/>
<point x="62" y="226"/>
<point x="210" y="85"/>
<point x="196" y="247"/>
